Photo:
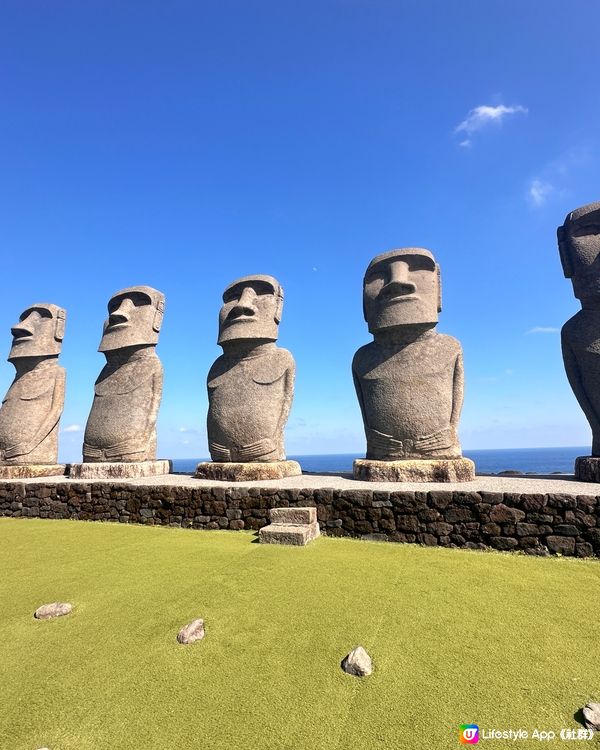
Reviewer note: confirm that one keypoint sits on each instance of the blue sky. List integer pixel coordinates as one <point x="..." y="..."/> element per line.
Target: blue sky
<point x="185" y="144"/>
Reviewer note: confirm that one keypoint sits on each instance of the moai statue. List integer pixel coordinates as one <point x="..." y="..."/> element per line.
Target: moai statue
<point x="120" y="435"/>
<point x="579" y="246"/>
<point x="409" y="380"/>
<point x="250" y="386"/>
<point x="31" y="409"/>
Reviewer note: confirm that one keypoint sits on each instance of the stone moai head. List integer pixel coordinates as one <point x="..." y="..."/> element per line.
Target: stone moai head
<point x="39" y="332"/>
<point x="251" y="309"/>
<point x="579" y="246"/>
<point x="401" y="288"/>
<point x="134" y="318"/>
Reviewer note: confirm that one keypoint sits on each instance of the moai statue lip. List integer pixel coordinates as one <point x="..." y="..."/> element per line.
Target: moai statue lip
<point x="252" y="307"/>
<point x="134" y="318"/>
<point x="401" y="288"/>
<point x="39" y="332"/>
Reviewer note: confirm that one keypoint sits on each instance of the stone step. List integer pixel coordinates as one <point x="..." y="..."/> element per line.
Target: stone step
<point x="294" y="516"/>
<point x="287" y="533"/>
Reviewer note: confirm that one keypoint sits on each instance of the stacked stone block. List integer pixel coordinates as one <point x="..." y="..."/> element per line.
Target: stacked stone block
<point x="533" y="523"/>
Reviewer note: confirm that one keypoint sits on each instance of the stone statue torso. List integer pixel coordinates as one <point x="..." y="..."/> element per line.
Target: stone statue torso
<point x="121" y="413"/>
<point x="581" y="354"/>
<point x="247" y="400"/>
<point x="26" y="406"/>
<point x="407" y="394"/>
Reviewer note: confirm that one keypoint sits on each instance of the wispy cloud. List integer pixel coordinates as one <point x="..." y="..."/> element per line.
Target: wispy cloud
<point x="539" y="191"/>
<point x="73" y="428"/>
<point x="550" y="180"/>
<point x="542" y="329"/>
<point x="484" y="115"/>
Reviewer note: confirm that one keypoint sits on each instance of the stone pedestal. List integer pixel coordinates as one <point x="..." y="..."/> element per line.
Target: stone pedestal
<point x="31" y="471"/>
<point x="415" y="470"/>
<point x="247" y="472"/>
<point x="295" y="526"/>
<point x="587" y="469"/>
<point x="120" y="470"/>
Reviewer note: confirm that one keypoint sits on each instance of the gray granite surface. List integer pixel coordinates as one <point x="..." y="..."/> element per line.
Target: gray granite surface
<point x="251" y="385"/>
<point x="409" y="379"/>
<point x="31" y="410"/>
<point x="564" y="484"/>
<point x="579" y="246"/>
<point x="127" y="394"/>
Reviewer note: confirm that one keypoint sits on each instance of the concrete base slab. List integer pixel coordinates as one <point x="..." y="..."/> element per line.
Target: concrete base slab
<point x="587" y="469"/>
<point x="415" y="470"/>
<point x="120" y="470"/>
<point x="31" y="471"/>
<point x="287" y="533"/>
<point x="247" y="472"/>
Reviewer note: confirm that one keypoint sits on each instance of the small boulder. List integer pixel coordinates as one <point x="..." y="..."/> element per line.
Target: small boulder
<point x="358" y="662"/>
<point x="591" y="716"/>
<point x="192" y="632"/>
<point x="56" y="609"/>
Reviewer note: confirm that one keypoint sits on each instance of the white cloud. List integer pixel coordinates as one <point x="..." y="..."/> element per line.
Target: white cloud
<point x="539" y="190"/>
<point x="483" y="115"/>
<point x="553" y="179"/>
<point x="543" y="329"/>
<point x="73" y="428"/>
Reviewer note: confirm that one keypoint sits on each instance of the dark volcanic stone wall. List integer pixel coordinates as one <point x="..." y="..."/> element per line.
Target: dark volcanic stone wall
<point x="536" y="524"/>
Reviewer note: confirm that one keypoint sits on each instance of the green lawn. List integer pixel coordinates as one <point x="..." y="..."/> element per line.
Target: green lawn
<point x="456" y="637"/>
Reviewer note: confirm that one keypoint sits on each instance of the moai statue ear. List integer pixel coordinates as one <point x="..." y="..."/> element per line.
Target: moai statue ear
<point x="158" y="315"/>
<point x="59" y="326"/>
<point x="439" y="287"/>
<point x="564" y="250"/>
<point x="279" y="306"/>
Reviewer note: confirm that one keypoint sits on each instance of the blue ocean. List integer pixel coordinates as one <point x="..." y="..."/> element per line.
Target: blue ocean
<point x="492" y="461"/>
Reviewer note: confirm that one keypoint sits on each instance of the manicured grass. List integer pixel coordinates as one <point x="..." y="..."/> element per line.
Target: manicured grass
<point x="456" y="637"/>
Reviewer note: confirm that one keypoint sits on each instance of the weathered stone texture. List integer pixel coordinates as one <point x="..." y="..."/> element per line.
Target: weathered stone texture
<point x="357" y="662"/>
<point x="192" y="632"/>
<point x="32" y="407"/>
<point x="247" y="472"/>
<point x="251" y="385"/>
<point x="417" y="470"/>
<point x="409" y="379"/>
<point x="55" y="609"/>
<point x="120" y="469"/>
<point x="568" y="525"/>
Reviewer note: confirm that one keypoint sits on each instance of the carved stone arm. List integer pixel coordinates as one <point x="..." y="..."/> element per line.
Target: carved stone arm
<point x="288" y="396"/>
<point x="574" y="378"/>
<point x="49" y="422"/>
<point x="458" y="389"/>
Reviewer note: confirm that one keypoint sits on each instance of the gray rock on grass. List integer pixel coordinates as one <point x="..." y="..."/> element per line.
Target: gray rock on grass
<point x="357" y="662"/>
<point x="192" y="632"/>
<point x="55" y="609"/>
<point x="591" y="716"/>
